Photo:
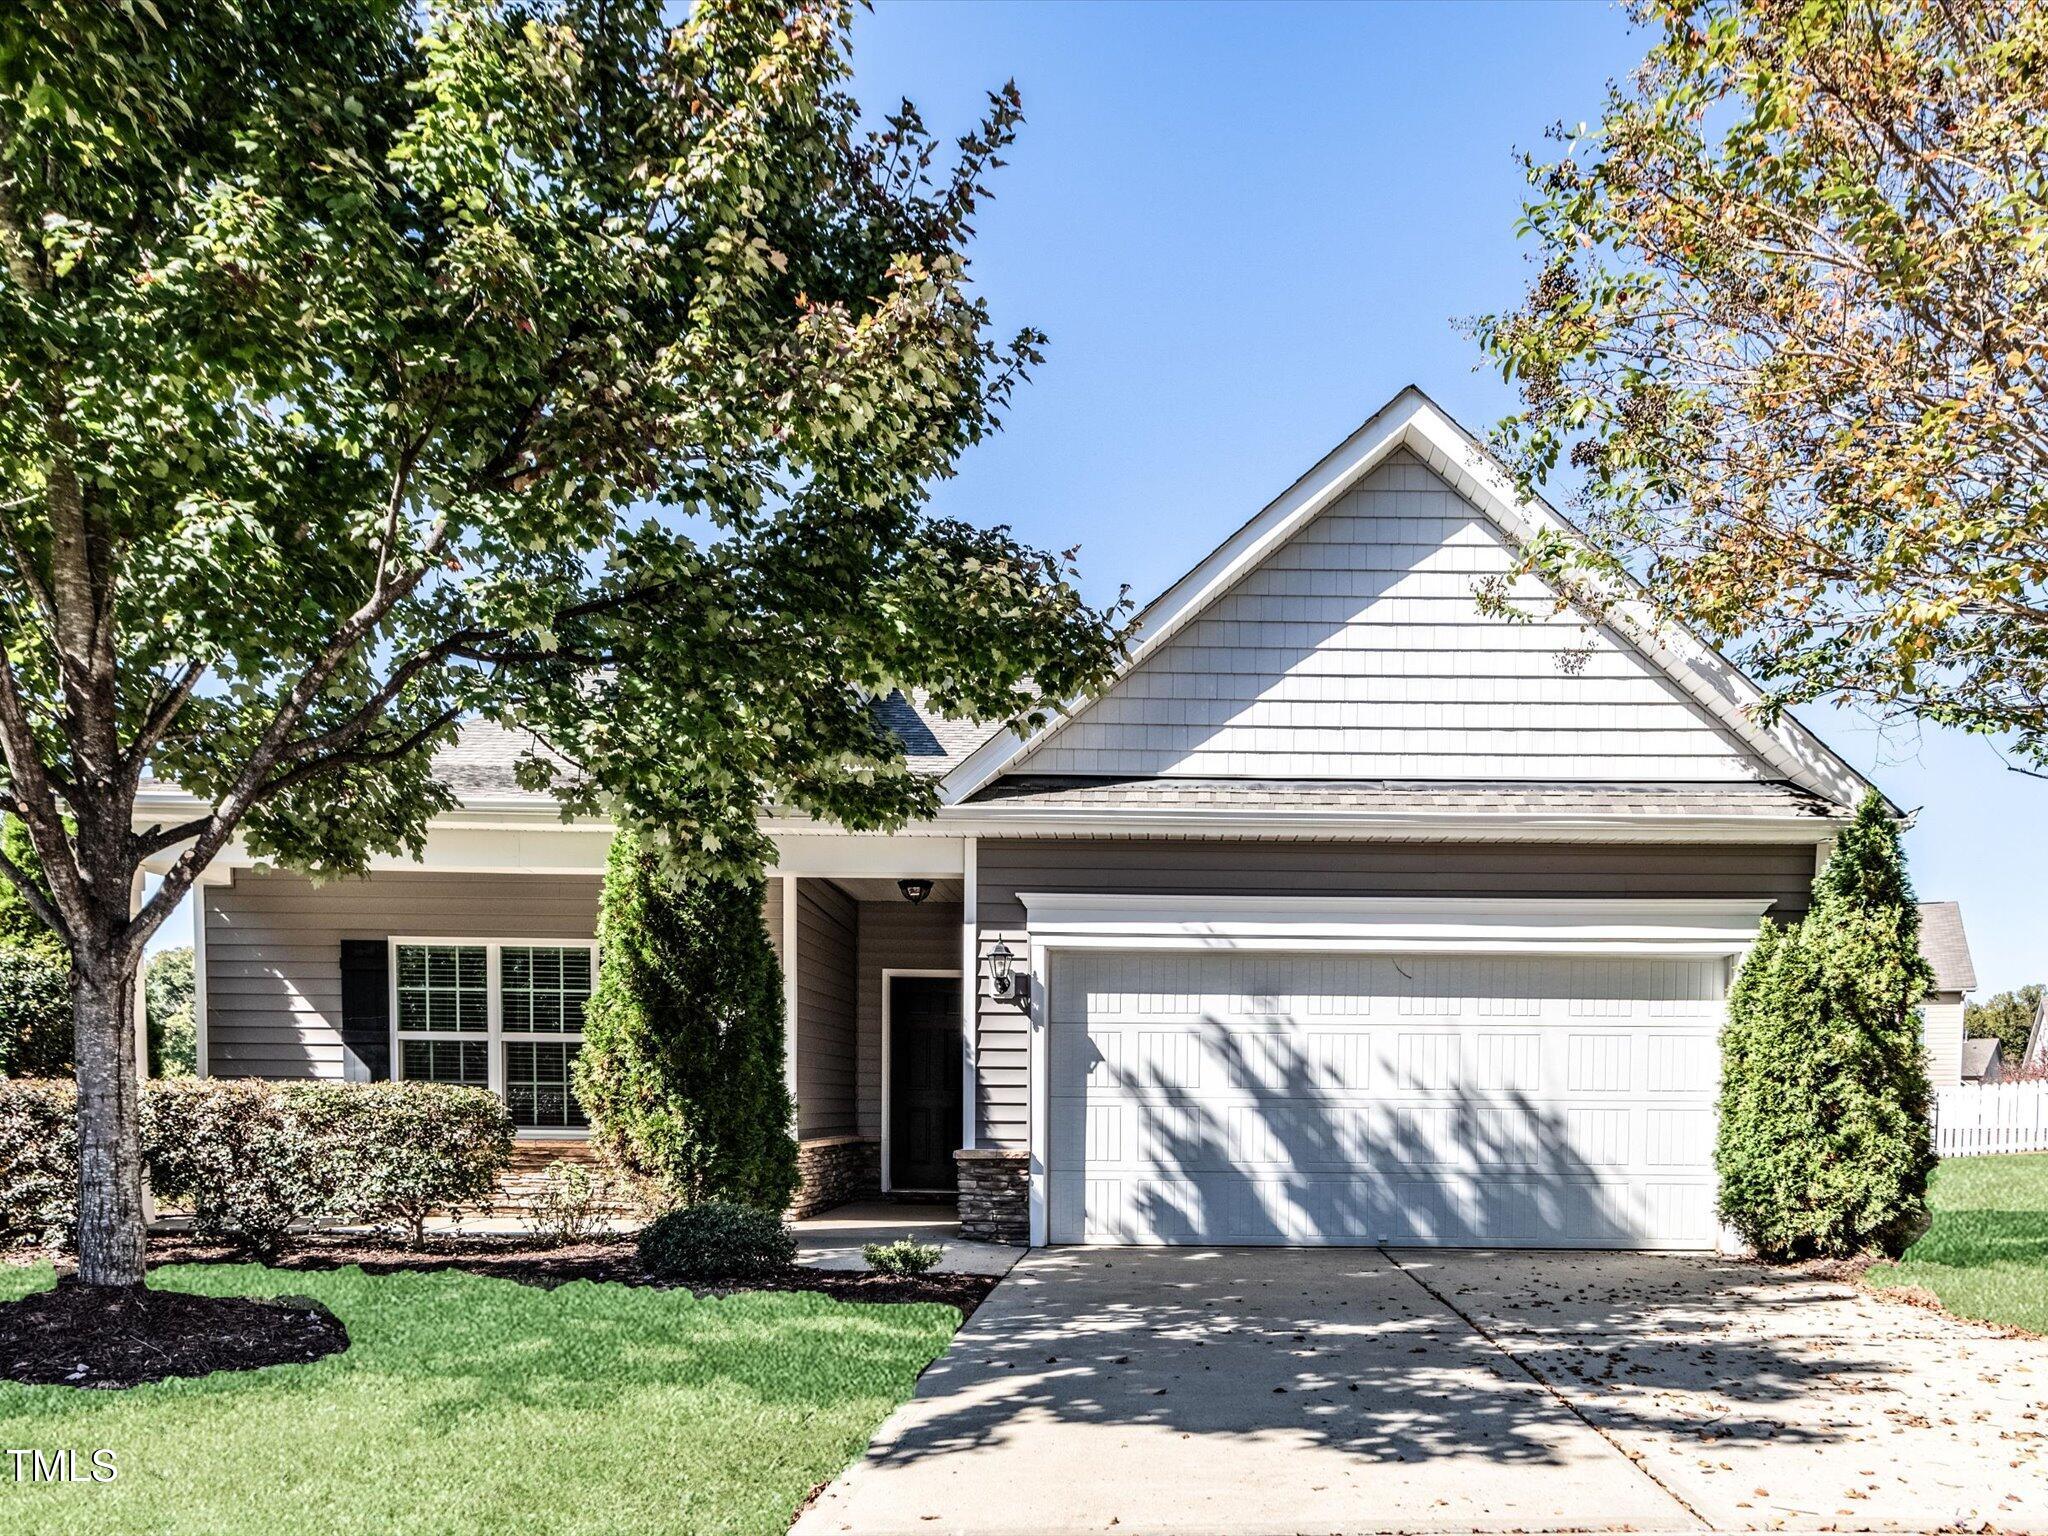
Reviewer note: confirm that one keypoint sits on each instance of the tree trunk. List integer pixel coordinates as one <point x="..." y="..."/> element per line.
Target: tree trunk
<point x="110" y="1226"/>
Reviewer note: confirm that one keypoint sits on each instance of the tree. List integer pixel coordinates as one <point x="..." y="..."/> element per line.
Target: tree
<point x="167" y="988"/>
<point x="1791" y="327"/>
<point x="2010" y="1016"/>
<point x="1825" y="1144"/>
<point x="681" y="1070"/>
<point x="370" y="365"/>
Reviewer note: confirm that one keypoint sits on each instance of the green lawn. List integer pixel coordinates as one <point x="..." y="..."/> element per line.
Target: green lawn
<point x="1987" y="1254"/>
<point x="466" y="1404"/>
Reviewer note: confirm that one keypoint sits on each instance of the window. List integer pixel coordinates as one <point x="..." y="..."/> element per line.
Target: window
<point x="503" y="1016"/>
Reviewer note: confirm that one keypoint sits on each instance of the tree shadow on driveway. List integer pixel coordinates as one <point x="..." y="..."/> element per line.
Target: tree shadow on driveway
<point x="1347" y="1349"/>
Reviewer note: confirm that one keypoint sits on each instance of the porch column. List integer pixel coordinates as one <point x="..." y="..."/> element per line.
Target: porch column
<point x="970" y="985"/>
<point x="790" y="992"/>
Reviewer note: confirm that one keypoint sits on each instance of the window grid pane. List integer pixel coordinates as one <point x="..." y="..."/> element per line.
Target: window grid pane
<point x="543" y="990"/>
<point x="443" y="987"/>
<point x="537" y="1084"/>
<point x="447" y="1061"/>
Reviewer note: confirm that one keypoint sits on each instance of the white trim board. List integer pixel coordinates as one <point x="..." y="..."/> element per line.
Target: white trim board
<point x="1413" y="421"/>
<point x="889" y="974"/>
<point x="1501" y="925"/>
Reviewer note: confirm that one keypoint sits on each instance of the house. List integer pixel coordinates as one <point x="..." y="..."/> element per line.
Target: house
<point x="1347" y="914"/>
<point x="1983" y="1059"/>
<point x="1946" y="949"/>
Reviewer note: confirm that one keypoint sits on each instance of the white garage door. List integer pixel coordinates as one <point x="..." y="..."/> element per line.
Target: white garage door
<point x="1352" y="1098"/>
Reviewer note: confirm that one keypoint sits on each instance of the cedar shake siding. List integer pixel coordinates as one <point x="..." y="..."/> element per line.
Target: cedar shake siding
<point x="1781" y="873"/>
<point x="273" y="950"/>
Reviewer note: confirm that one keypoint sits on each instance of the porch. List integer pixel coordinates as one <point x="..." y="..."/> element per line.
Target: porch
<point x="875" y="1021"/>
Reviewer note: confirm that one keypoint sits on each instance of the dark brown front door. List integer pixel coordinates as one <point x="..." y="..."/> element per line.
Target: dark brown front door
<point x="924" y="1080"/>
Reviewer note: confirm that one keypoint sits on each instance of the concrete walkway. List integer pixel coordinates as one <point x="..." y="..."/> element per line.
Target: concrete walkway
<point x="1188" y="1391"/>
<point x="834" y="1239"/>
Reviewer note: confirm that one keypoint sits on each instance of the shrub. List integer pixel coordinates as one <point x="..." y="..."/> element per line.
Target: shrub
<point x="681" y="1070"/>
<point x="403" y="1151"/>
<point x="251" y="1160"/>
<point x="565" y="1208"/>
<point x="1825" y="1145"/>
<point x="717" y="1241"/>
<point x="35" y="974"/>
<point x="35" y="1011"/>
<point x="38" y="1163"/>
<point x="168" y="988"/>
<point x="239" y="1159"/>
<point x="905" y="1256"/>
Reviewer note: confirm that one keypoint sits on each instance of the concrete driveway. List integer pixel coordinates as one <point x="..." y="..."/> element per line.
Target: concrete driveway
<point x="1238" y="1390"/>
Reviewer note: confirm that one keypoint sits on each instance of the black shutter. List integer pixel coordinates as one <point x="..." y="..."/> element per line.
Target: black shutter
<point x="365" y="1010"/>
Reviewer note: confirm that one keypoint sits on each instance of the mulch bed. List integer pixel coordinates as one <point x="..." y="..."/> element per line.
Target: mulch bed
<point x="510" y="1256"/>
<point x="88" y="1336"/>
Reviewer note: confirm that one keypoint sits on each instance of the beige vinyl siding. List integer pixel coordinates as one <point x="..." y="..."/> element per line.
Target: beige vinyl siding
<point x="1941" y="1022"/>
<point x="273" y="950"/>
<point x="894" y="935"/>
<point x="1356" y="650"/>
<point x="827" y="926"/>
<point x="1778" y="873"/>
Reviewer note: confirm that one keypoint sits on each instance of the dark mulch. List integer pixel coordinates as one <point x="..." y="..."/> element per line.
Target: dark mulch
<point x="93" y="1336"/>
<point x="510" y="1256"/>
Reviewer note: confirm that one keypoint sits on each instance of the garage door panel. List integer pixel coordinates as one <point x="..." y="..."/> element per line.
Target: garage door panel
<point x="1184" y="1112"/>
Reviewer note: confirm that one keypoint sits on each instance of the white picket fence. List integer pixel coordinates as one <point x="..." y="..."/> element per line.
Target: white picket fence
<point x="1979" y="1118"/>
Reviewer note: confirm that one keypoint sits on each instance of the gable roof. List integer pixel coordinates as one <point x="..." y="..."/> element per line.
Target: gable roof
<point x="1786" y="751"/>
<point x="1945" y="947"/>
<point x="1980" y="1054"/>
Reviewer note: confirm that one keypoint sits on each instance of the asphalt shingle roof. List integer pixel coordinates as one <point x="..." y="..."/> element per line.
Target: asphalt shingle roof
<point x="1032" y="792"/>
<point x="483" y="759"/>
<point x="1945" y="946"/>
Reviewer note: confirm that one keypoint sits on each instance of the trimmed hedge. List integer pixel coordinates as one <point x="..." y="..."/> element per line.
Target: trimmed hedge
<point x="407" y="1150"/>
<point x="717" y="1241"/>
<point x="38" y="1162"/>
<point x="253" y="1160"/>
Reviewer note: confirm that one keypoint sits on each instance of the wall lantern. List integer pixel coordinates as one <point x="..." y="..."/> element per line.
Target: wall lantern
<point x="914" y="891"/>
<point x="1009" y="985"/>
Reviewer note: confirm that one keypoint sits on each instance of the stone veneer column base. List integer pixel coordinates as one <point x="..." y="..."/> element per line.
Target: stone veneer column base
<point x="995" y="1194"/>
<point x="832" y="1170"/>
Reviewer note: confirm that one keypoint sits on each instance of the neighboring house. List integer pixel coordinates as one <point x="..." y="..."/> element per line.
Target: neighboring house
<point x="1946" y="949"/>
<point x="1983" y="1059"/>
<point x="2035" y="1058"/>
<point x="1347" y="914"/>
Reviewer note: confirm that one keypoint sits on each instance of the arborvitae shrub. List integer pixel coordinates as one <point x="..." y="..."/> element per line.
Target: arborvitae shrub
<point x="1825" y="1143"/>
<point x="681" y="1071"/>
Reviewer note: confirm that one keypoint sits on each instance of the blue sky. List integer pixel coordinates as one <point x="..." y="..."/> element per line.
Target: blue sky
<point x="1245" y="227"/>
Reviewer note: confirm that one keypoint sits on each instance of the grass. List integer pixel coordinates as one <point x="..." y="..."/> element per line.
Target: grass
<point x="1986" y="1256"/>
<point x="480" y="1405"/>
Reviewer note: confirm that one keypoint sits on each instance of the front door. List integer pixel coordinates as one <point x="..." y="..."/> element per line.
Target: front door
<point x="924" y="1080"/>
